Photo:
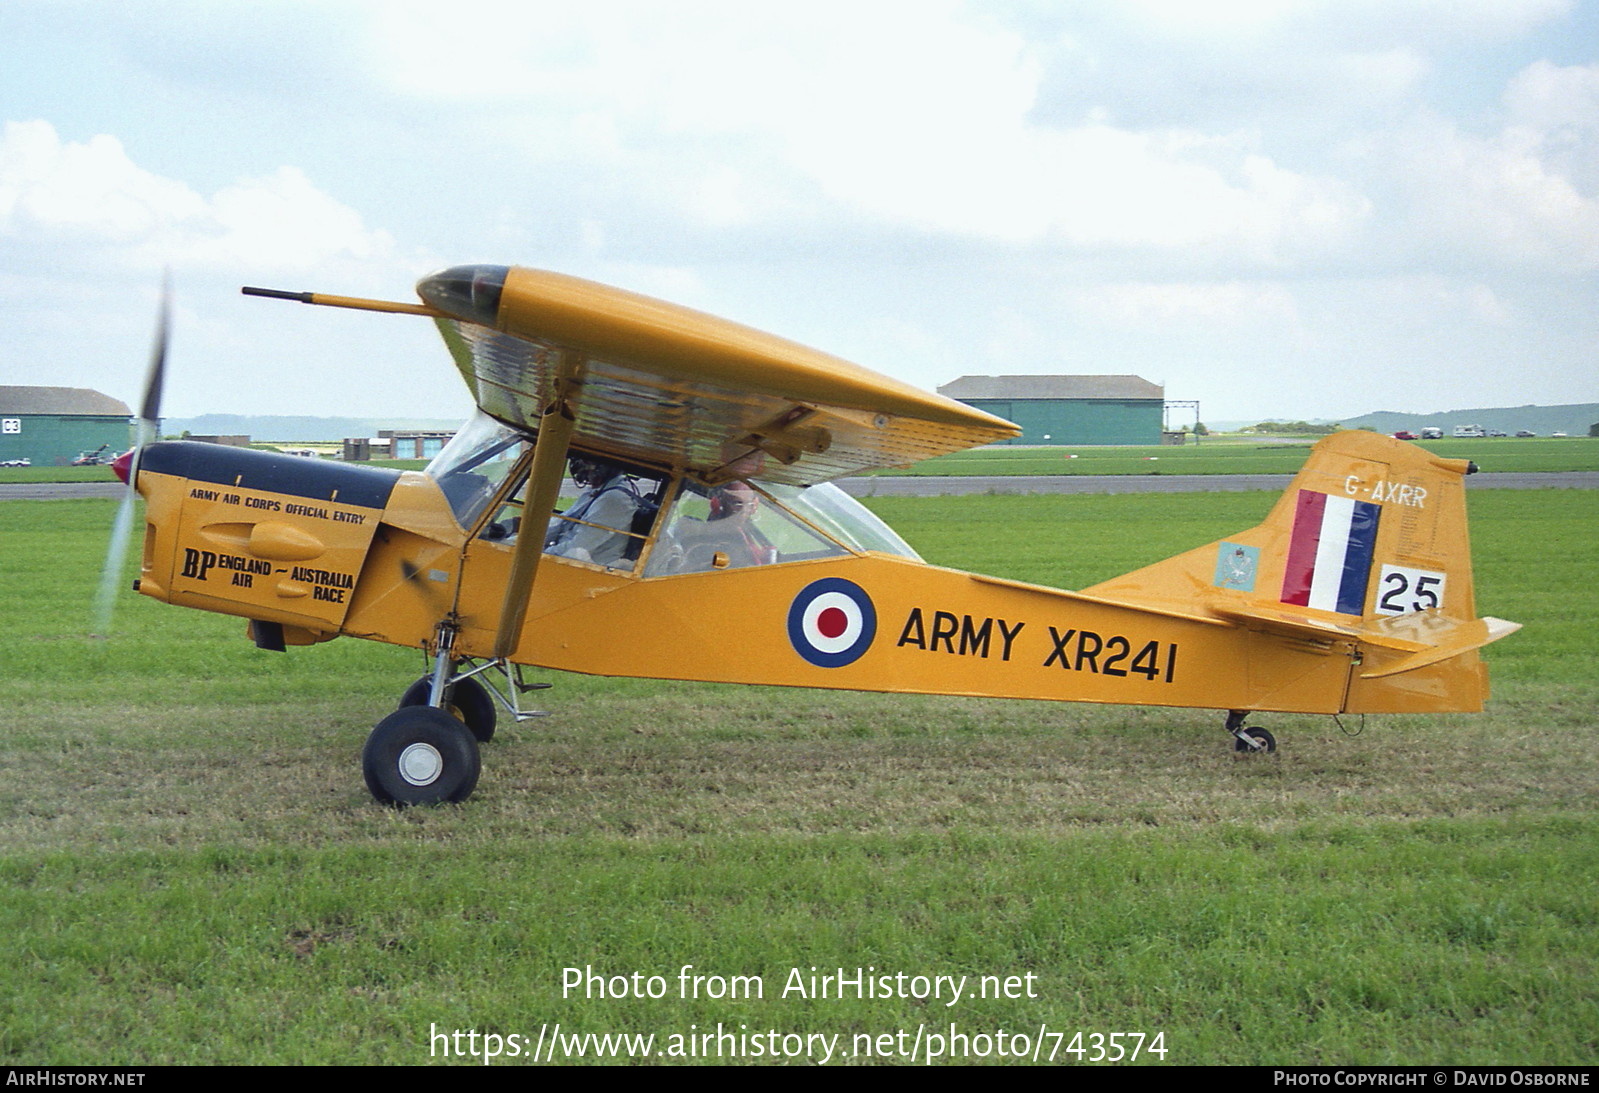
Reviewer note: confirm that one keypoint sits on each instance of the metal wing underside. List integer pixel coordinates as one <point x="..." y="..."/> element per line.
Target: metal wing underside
<point x="637" y="414"/>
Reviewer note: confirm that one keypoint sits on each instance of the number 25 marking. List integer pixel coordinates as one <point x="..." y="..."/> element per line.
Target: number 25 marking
<point x="1403" y="591"/>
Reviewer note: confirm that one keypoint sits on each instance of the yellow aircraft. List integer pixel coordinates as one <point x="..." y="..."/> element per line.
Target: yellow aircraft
<point x="708" y="544"/>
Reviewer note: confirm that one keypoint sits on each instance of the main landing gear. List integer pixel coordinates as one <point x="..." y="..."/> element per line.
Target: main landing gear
<point x="1248" y="739"/>
<point x="468" y="701"/>
<point x="426" y="752"/>
<point x="420" y="755"/>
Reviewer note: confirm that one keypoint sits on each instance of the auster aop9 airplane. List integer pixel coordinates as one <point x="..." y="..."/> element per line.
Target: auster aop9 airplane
<point x="714" y="547"/>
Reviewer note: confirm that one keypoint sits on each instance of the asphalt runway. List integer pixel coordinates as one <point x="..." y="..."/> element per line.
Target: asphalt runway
<point x="957" y="487"/>
<point x="886" y="486"/>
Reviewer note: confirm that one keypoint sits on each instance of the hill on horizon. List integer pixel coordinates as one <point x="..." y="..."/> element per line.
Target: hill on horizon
<point x="1573" y="419"/>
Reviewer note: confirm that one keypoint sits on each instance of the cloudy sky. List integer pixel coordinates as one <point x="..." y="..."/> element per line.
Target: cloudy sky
<point x="1290" y="208"/>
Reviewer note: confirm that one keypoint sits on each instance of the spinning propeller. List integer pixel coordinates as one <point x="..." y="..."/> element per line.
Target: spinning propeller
<point x="127" y="468"/>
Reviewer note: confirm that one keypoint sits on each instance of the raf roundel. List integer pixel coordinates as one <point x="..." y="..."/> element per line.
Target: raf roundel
<point x="832" y="622"/>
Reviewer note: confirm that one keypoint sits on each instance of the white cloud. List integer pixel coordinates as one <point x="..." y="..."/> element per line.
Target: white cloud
<point x="1140" y="304"/>
<point x="1377" y="77"/>
<point x="1558" y="107"/>
<point x="283" y="222"/>
<point x="1350" y="20"/>
<point x="1555" y="98"/>
<point x="911" y="115"/>
<point x="89" y="192"/>
<point x="86" y="231"/>
<point x="90" y="199"/>
<point x="1505" y="200"/>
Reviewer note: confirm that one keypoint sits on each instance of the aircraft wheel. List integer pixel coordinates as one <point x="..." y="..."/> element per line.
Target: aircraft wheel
<point x="467" y="701"/>
<point x="419" y="755"/>
<point x="1267" y="742"/>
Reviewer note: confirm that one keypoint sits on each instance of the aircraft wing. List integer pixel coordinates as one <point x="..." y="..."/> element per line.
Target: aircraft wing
<point x="665" y="384"/>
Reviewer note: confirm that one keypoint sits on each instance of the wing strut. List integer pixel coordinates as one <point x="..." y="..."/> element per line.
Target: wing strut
<point x="556" y="424"/>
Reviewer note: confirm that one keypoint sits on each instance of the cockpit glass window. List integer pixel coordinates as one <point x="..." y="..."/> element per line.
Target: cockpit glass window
<point x="474" y="463"/>
<point x="609" y="521"/>
<point x="732" y="526"/>
<point x="842" y="517"/>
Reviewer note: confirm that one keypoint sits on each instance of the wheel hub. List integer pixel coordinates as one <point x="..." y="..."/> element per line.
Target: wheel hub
<point x="421" y="764"/>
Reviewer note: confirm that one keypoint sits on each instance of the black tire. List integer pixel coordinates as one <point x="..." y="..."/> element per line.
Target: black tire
<point x="420" y="756"/>
<point x="1265" y="738"/>
<point x="468" y="701"/>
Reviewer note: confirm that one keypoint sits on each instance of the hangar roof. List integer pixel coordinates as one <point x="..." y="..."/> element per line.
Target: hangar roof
<point x="70" y="401"/>
<point x="1052" y="387"/>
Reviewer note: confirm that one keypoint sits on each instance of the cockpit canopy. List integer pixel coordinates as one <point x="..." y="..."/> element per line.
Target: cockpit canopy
<point x="666" y="524"/>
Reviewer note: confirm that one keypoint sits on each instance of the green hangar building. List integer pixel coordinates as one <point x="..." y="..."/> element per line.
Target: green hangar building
<point x="52" y="426"/>
<point x="1069" y="409"/>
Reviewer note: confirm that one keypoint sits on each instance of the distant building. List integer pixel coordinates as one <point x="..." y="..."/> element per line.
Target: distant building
<point x="225" y="439"/>
<point x="52" y="426"/>
<point x="410" y="444"/>
<point x="396" y="444"/>
<point x="1068" y="409"/>
<point x="415" y="444"/>
<point x="359" y="449"/>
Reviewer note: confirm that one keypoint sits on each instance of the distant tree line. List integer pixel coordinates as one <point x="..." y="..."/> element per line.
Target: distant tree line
<point x="1298" y="428"/>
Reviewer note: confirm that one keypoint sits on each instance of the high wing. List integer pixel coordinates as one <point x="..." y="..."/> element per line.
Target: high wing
<point x="668" y="385"/>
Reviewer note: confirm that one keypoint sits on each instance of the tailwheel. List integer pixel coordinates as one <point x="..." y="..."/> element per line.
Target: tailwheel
<point x="1255" y="740"/>
<point x="419" y="755"/>
<point x="468" y="701"/>
<point x="1247" y="738"/>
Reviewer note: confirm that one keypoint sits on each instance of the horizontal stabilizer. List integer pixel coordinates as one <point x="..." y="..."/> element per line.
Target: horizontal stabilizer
<point x="1427" y="636"/>
<point x="1444" y="638"/>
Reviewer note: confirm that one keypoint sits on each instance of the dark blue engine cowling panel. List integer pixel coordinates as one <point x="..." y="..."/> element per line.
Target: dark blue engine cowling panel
<point x="297" y="476"/>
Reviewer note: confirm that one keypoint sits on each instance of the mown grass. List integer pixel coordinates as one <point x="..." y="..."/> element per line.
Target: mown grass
<point x="194" y="873"/>
<point x="57" y="474"/>
<point x="1214" y="455"/>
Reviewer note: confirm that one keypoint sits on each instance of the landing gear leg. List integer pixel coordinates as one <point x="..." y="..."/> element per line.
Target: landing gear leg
<point x="1248" y="739"/>
<point x="466" y="700"/>
<point x="443" y="665"/>
<point x="425" y="753"/>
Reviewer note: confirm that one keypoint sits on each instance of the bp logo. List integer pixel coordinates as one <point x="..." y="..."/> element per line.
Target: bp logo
<point x="831" y="622"/>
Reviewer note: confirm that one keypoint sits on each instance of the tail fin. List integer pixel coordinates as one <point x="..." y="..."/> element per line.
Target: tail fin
<point x="1367" y="549"/>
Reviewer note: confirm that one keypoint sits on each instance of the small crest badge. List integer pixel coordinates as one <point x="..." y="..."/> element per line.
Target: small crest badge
<point x="1236" y="566"/>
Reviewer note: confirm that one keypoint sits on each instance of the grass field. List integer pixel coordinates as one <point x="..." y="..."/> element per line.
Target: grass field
<point x="194" y="872"/>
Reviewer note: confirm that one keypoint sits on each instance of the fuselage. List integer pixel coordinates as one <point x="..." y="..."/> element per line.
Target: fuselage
<point x="309" y="550"/>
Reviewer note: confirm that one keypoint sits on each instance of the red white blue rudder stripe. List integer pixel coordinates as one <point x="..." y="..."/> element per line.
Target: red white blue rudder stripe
<point x="832" y="622"/>
<point x="1330" y="552"/>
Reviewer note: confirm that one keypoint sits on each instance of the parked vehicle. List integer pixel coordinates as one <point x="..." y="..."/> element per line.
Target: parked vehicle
<point x="1404" y="434"/>
<point x="1525" y="432"/>
<point x="94" y="458"/>
<point x="1469" y="431"/>
<point x="1430" y="433"/>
